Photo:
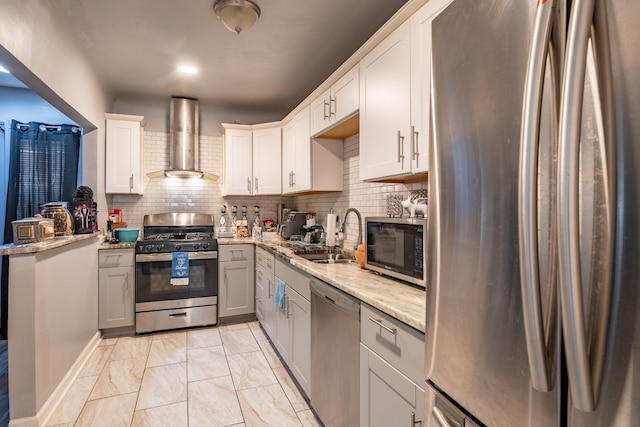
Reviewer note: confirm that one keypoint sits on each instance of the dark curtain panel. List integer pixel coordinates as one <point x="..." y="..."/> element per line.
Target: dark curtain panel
<point x="43" y="167"/>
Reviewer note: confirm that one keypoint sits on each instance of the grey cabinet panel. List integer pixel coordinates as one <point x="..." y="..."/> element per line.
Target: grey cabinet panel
<point x="387" y="397"/>
<point x="116" y="288"/>
<point x="236" y="285"/>
<point x="300" y="330"/>
<point x="399" y="344"/>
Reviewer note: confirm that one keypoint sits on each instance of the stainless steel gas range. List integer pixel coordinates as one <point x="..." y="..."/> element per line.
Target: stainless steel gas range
<point x="176" y="272"/>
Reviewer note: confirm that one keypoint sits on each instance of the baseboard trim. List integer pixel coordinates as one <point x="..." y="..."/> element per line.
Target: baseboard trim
<point x="47" y="409"/>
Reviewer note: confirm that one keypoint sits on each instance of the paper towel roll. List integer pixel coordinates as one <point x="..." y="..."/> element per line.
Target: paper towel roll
<point x="331" y="229"/>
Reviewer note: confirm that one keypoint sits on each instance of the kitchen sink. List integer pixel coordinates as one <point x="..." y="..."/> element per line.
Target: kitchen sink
<point x="327" y="257"/>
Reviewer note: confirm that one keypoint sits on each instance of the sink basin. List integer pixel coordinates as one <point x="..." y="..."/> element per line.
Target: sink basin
<point x="326" y="258"/>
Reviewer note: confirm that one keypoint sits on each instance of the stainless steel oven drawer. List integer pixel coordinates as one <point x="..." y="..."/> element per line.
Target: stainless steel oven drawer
<point x="149" y="321"/>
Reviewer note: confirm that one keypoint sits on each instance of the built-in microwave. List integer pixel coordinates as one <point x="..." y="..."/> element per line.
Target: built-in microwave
<point x="396" y="247"/>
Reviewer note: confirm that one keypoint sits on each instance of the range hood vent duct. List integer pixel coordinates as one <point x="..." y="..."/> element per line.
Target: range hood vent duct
<point x="184" y="140"/>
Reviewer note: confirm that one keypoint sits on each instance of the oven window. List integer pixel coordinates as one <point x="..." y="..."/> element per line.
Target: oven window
<point x="153" y="280"/>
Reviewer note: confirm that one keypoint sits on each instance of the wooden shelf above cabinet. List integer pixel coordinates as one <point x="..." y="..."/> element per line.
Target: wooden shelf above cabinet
<point x="344" y="129"/>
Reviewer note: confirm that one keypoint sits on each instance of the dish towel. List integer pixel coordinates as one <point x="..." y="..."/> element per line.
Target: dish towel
<point x="180" y="268"/>
<point x="279" y="296"/>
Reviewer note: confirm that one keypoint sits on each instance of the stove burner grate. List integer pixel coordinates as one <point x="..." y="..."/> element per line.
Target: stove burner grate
<point x="179" y="236"/>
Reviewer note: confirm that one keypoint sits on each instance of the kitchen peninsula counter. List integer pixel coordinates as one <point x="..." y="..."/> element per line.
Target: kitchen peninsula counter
<point x="399" y="300"/>
<point x="45" y="245"/>
<point x="52" y="321"/>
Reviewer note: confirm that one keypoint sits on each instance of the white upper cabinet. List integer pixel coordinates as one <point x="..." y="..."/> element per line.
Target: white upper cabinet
<point x="421" y="82"/>
<point x="252" y="160"/>
<point x="124" y="154"/>
<point x="385" y="107"/>
<point x="309" y="164"/>
<point x="339" y="102"/>
<point x="395" y="93"/>
<point x="238" y="161"/>
<point x="267" y="161"/>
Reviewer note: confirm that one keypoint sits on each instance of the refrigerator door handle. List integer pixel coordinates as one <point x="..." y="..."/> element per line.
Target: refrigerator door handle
<point x="584" y="367"/>
<point x="541" y="359"/>
<point x="440" y="417"/>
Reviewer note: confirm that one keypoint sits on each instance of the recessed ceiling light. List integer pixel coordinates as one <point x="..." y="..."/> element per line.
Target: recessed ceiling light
<point x="187" y="69"/>
<point x="3" y="70"/>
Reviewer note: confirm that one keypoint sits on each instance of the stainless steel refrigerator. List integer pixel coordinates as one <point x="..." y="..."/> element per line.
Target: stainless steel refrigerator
<point x="533" y="297"/>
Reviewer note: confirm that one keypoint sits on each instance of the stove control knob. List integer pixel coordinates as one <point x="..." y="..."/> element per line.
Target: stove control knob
<point x="149" y="248"/>
<point x="196" y="247"/>
<point x="159" y="248"/>
<point x="178" y="248"/>
<point x="205" y="245"/>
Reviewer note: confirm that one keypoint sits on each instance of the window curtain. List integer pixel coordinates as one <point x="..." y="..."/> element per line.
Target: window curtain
<point x="43" y="167"/>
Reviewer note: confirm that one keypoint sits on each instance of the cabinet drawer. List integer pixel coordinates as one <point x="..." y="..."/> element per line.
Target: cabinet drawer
<point x="399" y="344"/>
<point x="115" y="258"/>
<point x="235" y="253"/>
<point x="266" y="259"/>
<point x="294" y="278"/>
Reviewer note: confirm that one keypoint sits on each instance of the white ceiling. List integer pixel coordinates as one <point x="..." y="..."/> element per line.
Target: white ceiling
<point x="135" y="47"/>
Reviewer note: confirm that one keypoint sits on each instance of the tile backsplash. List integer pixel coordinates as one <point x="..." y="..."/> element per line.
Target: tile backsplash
<point x="205" y="196"/>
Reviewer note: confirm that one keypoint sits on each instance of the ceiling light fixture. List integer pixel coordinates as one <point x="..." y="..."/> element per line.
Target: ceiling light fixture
<point x="237" y="15"/>
<point x="187" y="69"/>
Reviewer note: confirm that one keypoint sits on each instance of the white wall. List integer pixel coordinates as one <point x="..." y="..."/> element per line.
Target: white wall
<point x="52" y="319"/>
<point x="24" y="105"/>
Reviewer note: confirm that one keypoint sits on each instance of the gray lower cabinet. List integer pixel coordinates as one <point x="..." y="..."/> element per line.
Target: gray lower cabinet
<point x="292" y="324"/>
<point x="116" y="288"/>
<point x="391" y="369"/>
<point x="299" y="312"/>
<point x="265" y="288"/>
<point x="236" y="286"/>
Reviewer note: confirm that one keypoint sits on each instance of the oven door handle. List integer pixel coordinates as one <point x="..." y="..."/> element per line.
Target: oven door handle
<point x="169" y="256"/>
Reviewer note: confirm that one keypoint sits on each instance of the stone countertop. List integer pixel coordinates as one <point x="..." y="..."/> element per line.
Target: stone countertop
<point x="122" y="245"/>
<point x="56" y="242"/>
<point x="399" y="300"/>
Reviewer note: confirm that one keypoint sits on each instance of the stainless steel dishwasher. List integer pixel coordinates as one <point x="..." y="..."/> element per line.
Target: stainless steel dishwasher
<point x="335" y="355"/>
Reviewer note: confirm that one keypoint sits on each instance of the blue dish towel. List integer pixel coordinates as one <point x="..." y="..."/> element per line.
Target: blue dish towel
<point x="180" y="268"/>
<point x="279" y="296"/>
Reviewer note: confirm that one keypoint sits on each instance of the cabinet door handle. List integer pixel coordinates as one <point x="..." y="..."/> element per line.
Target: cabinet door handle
<point x="287" y="305"/>
<point x="293" y="179"/>
<point x="249" y="185"/>
<point x="401" y="149"/>
<point x="131" y="182"/>
<point x="183" y="314"/>
<point x="414" y="421"/>
<point x="332" y="111"/>
<point x="256" y="184"/>
<point x="416" y="152"/>
<point x="325" y="114"/>
<point x="383" y="326"/>
<point x="269" y="290"/>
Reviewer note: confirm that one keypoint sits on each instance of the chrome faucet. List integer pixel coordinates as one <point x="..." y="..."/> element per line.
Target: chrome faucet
<point x="344" y="219"/>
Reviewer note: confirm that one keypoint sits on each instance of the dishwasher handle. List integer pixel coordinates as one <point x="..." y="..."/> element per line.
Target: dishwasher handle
<point x="340" y="300"/>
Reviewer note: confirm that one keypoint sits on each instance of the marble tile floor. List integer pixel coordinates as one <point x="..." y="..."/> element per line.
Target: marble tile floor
<point x="218" y="376"/>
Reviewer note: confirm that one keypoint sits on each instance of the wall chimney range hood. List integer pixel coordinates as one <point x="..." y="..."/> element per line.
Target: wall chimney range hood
<point x="184" y="141"/>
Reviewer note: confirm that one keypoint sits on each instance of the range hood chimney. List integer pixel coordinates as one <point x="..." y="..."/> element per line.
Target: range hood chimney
<point x="184" y="140"/>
